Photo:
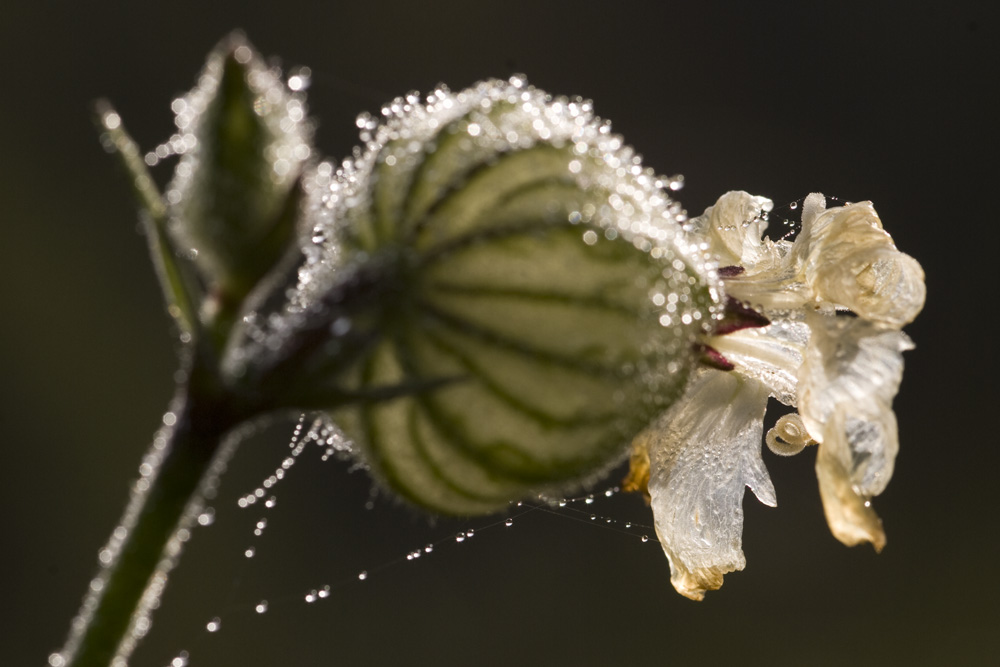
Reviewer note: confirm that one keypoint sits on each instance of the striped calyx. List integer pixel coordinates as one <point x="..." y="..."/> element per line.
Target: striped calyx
<point x="540" y="298"/>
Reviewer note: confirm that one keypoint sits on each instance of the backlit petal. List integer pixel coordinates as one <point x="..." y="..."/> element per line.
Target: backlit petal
<point x="850" y="375"/>
<point x="703" y="452"/>
<point x="733" y="227"/>
<point x="852" y="262"/>
<point x="771" y="355"/>
<point x="849" y="515"/>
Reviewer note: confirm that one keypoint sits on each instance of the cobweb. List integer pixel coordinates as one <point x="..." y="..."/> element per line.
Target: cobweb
<point x="289" y="562"/>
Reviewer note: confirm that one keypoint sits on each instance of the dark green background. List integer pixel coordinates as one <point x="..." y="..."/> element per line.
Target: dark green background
<point x="893" y="103"/>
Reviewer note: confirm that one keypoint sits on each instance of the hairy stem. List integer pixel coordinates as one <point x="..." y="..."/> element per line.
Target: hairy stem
<point x="182" y="464"/>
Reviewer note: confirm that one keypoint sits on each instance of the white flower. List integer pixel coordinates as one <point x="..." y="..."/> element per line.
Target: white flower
<point x="813" y="323"/>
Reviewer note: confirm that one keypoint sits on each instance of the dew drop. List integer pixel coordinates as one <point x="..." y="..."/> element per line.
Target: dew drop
<point x="469" y="533"/>
<point x="206" y="518"/>
<point x="324" y="592"/>
<point x="311" y="596"/>
<point x="589" y="500"/>
<point x="794" y="205"/>
<point x="111" y="121"/>
<point x="460" y="537"/>
<point x="593" y="517"/>
<point x="57" y="659"/>
<point x="429" y="548"/>
<point x="214" y="624"/>
<point x="628" y="524"/>
<point x="242" y="54"/>
<point x="271" y="502"/>
<point x="645" y="538"/>
<point x="261" y="607"/>
<point x="609" y="493"/>
<point x="249" y="553"/>
<point x="508" y="523"/>
<point x="362" y="575"/>
<point x="300" y="80"/>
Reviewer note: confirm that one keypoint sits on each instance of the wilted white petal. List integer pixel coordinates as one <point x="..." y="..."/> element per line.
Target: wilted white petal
<point x="733" y="228"/>
<point x="848" y="380"/>
<point x="771" y="355"/>
<point x="854" y="366"/>
<point x="703" y="452"/>
<point x="849" y="260"/>
<point x="849" y="515"/>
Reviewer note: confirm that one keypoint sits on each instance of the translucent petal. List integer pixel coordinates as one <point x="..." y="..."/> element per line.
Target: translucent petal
<point x="852" y="262"/>
<point x="771" y="355"/>
<point x="703" y="452"/>
<point x="849" y="514"/>
<point x="852" y="371"/>
<point x="733" y="228"/>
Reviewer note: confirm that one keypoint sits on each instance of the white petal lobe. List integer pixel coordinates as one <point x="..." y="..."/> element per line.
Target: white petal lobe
<point x="771" y="355"/>
<point x="703" y="452"/>
<point x="852" y="371"/>
<point x="733" y="227"/>
<point x="851" y="261"/>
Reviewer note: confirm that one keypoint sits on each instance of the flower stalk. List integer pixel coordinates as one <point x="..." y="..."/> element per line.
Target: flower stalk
<point x="180" y="466"/>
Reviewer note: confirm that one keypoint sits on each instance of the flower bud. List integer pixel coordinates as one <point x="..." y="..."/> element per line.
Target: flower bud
<point x="243" y="138"/>
<point x="500" y="264"/>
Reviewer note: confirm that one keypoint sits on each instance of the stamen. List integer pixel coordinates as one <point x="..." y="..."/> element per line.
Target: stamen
<point x="730" y="271"/>
<point x="712" y="358"/>
<point x="738" y="316"/>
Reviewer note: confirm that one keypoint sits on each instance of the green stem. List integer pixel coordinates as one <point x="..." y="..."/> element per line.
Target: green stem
<point x="184" y="460"/>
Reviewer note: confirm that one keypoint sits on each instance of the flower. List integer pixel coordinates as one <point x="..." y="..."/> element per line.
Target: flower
<point x="813" y="323"/>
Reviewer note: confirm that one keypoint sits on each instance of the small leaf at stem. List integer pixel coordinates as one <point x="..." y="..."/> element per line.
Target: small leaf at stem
<point x="177" y="285"/>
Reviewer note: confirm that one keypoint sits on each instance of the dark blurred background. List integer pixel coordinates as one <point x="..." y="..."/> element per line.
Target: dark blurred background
<point x="893" y="102"/>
